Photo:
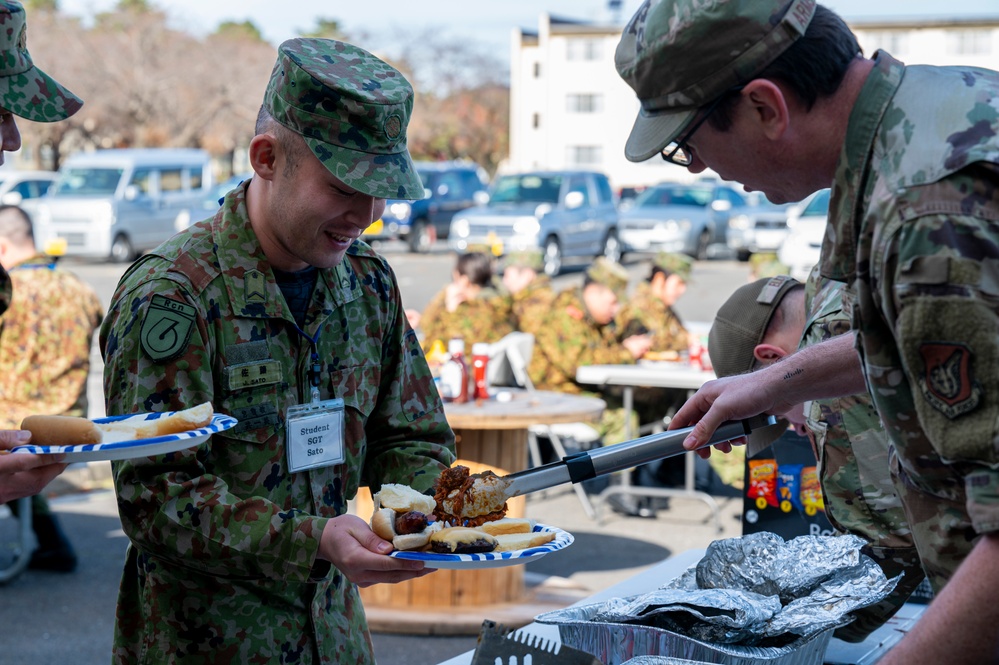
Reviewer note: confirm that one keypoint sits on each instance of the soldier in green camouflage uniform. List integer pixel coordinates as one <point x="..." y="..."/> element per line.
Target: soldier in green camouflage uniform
<point x="469" y="308"/>
<point x="233" y="556"/>
<point x="28" y="92"/>
<point x="527" y="286"/>
<point x="45" y="339"/>
<point x="579" y="330"/>
<point x="651" y="306"/>
<point x="912" y="233"/>
<point x="850" y="443"/>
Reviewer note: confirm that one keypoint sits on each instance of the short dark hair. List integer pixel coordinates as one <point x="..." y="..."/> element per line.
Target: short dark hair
<point x="291" y="142"/>
<point x="15" y="225"/>
<point x="812" y="67"/>
<point x="476" y="266"/>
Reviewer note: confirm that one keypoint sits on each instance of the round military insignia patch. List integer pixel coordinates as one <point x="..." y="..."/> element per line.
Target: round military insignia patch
<point x="393" y="126"/>
<point x="166" y="328"/>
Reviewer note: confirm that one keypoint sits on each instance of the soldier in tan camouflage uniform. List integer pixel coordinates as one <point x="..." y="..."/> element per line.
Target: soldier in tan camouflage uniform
<point x="778" y="97"/>
<point x="25" y="91"/>
<point x="579" y="330"/>
<point x="762" y="323"/>
<point x="650" y="308"/>
<point x="527" y="286"/>
<point x="241" y="550"/>
<point x="469" y="307"/>
<point x="44" y="357"/>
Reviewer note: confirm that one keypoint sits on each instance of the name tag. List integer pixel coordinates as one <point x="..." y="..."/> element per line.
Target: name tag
<point x="248" y="375"/>
<point x="315" y="434"/>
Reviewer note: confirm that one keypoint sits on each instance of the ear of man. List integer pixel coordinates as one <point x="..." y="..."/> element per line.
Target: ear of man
<point x="263" y="153"/>
<point x="767" y="354"/>
<point x="769" y="107"/>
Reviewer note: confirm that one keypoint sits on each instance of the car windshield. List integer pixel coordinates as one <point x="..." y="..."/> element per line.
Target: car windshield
<point x="80" y="181"/>
<point x="526" y="189"/>
<point x="698" y="197"/>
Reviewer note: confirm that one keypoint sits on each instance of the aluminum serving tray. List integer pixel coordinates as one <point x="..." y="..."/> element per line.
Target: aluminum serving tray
<point x="615" y="643"/>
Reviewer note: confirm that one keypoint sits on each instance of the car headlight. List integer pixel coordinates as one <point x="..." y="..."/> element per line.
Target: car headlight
<point x="400" y="209"/>
<point x="460" y="227"/>
<point x="684" y="225"/>
<point x="542" y="210"/>
<point x="527" y="226"/>
<point x="739" y="222"/>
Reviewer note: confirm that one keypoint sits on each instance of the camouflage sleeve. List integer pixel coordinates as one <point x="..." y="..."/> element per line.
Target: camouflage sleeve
<point x="175" y="506"/>
<point x="409" y="439"/>
<point x="45" y="347"/>
<point x="568" y="341"/>
<point x="941" y="283"/>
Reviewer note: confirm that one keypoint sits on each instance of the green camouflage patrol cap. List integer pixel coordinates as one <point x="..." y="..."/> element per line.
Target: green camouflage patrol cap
<point x="766" y="265"/>
<point x="5" y="290"/>
<point x="678" y="264"/>
<point x="352" y="109"/>
<point x="610" y="274"/>
<point x="25" y="90"/>
<point x="679" y="55"/>
<point x="533" y="259"/>
<point x="742" y="321"/>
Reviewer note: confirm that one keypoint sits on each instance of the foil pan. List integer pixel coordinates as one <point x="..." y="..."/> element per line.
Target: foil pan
<point x="755" y="599"/>
<point x="662" y="660"/>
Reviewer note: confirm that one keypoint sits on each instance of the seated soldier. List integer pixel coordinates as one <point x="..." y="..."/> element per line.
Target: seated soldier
<point x="469" y="307"/>
<point x="528" y="288"/>
<point x="771" y="318"/>
<point x="651" y="307"/>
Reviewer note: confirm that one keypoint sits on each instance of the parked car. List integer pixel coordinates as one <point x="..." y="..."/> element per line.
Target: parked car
<point x="117" y="203"/>
<point x="761" y="229"/>
<point x="209" y="205"/>
<point x="570" y="215"/>
<point x="18" y="186"/>
<point x="450" y="187"/>
<point x="803" y="245"/>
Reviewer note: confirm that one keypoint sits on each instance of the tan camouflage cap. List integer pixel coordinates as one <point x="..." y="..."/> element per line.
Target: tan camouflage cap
<point x="352" y="108"/>
<point x="610" y="274"/>
<point x="678" y="264"/>
<point x="525" y="258"/>
<point x="679" y="55"/>
<point x="742" y="321"/>
<point x="5" y="290"/>
<point x="25" y="90"/>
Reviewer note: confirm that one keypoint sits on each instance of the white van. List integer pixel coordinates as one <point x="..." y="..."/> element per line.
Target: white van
<point x="116" y="204"/>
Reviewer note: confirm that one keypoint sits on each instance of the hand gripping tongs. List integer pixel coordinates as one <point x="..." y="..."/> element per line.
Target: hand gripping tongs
<point x="592" y="463"/>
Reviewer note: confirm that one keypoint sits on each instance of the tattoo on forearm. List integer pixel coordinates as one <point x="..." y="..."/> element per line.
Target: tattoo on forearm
<point x="791" y="375"/>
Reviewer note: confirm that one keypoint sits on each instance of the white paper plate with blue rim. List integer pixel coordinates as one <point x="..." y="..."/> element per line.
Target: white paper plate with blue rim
<point x="491" y="559"/>
<point x="118" y="450"/>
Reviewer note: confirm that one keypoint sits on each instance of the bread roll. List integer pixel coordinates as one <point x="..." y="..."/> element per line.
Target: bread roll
<point x="383" y="523"/>
<point x="61" y="431"/>
<point x="195" y="417"/>
<point x="509" y="542"/>
<point x="507" y="525"/>
<point x="461" y="540"/>
<point x="402" y="498"/>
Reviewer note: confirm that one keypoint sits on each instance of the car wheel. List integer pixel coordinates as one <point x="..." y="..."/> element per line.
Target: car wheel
<point x="122" y="250"/>
<point x="422" y="237"/>
<point x="701" y="250"/>
<point x="612" y="247"/>
<point x="553" y="257"/>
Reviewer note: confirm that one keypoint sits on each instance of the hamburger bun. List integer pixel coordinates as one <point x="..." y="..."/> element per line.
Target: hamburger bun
<point x="61" y="431"/>
<point x="461" y="540"/>
<point x="507" y="525"/>
<point x="509" y="542"/>
<point x="402" y="498"/>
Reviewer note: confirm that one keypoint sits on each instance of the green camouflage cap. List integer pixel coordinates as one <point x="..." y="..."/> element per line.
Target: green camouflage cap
<point x="767" y="265"/>
<point x="610" y="274"/>
<point x="679" y="55"/>
<point x="678" y="264"/>
<point x="742" y="321"/>
<point x="525" y="258"/>
<point x="352" y="109"/>
<point x="25" y="90"/>
<point x="5" y="290"/>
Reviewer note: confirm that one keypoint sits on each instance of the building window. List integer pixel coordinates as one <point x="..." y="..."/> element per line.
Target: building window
<point x="584" y="48"/>
<point x="536" y="120"/>
<point x="584" y="103"/>
<point x="969" y="42"/>
<point x="895" y="42"/>
<point x="584" y="155"/>
<point x="537" y="70"/>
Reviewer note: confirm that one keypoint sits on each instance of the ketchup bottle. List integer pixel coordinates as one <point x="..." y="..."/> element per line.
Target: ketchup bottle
<point x="480" y="360"/>
<point x="454" y="373"/>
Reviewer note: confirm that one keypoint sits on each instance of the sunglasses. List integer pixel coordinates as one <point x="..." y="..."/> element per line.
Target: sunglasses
<point x="677" y="152"/>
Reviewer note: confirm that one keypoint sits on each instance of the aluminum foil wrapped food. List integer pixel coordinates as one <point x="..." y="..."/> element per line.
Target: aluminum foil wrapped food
<point x="752" y="599"/>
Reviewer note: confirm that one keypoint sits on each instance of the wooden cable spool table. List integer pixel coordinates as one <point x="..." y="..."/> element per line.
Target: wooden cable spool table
<point x="489" y="435"/>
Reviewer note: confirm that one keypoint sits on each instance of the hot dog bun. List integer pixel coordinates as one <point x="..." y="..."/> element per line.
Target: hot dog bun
<point x="507" y="525"/>
<point x="393" y="500"/>
<point x="61" y="430"/>
<point x="508" y="542"/>
<point x="195" y="417"/>
<point x="403" y="498"/>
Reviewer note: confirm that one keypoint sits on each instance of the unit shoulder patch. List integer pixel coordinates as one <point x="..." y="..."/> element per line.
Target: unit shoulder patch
<point x="948" y="384"/>
<point x="166" y="328"/>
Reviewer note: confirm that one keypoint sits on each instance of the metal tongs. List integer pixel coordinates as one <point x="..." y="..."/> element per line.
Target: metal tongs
<point x="592" y="463"/>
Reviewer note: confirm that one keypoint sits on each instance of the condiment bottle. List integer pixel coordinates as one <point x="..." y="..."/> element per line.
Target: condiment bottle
<point x="454" y="373"/>
<point x="480" y="361"/>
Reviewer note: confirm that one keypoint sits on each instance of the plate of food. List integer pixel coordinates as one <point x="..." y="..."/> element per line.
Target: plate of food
<point x="122" y="437"/>
<point x="406" y="518"/>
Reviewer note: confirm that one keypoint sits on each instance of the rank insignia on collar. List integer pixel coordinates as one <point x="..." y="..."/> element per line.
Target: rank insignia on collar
<point x="254" y="286"/>
<point x="948" y="384"/>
